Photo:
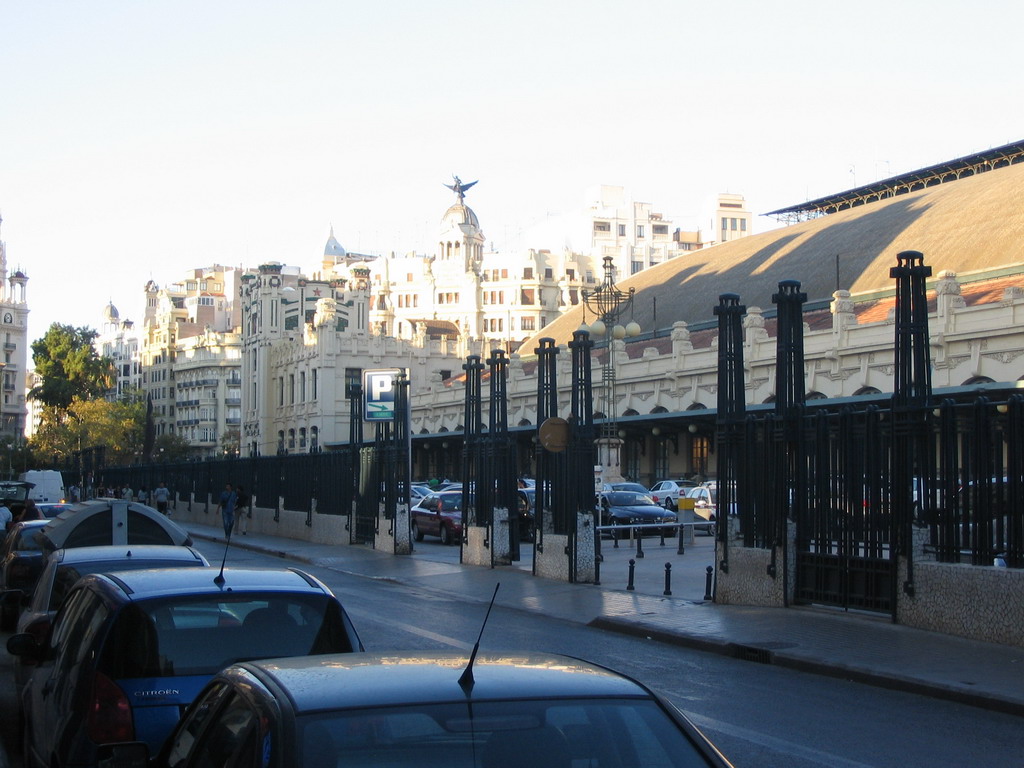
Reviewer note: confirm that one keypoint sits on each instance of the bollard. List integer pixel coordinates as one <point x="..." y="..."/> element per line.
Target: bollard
<point x="615" y="538"/>
<point x="668" y="579"/>
<point x="679" y="533"/>
<point x="707" y="585"/>
<point x="632" y="567"/>
<point x="639" y="542"/>
<point x="662" y="531"/>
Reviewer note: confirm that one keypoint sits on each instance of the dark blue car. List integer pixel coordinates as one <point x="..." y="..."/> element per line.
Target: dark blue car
<point x="521" y="710"/>
<point x="128" y="651"/>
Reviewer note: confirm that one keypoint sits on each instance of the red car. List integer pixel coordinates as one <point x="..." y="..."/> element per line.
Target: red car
<point x="438" y="514"/>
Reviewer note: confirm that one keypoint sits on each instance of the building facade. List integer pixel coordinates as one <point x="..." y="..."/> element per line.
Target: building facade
<point x="190" y="330"/>
<point x="14" y="328"/>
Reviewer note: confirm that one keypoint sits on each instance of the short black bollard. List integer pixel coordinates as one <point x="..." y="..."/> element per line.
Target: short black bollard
<point x="679" y="533"/>
<point x="632" y="567"/>
<point x="639" y="542"/>
<point x="662" y="531"/>
<point x="615" y="538"/>
<point x="707" y="585"/>
<point x="668" y="579"/>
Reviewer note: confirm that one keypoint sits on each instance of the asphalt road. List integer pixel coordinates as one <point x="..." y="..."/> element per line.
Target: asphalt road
<point x="757" y="714"/>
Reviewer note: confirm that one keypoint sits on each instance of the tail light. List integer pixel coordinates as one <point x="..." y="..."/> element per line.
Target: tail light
<point x="110" y="713"/>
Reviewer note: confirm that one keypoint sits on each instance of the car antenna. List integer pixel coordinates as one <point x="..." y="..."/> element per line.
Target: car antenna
<point x="466" y="681"/>
<point x="219" y="580"/>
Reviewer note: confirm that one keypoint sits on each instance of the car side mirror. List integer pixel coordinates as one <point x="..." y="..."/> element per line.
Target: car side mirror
<point x="24" y="645"/>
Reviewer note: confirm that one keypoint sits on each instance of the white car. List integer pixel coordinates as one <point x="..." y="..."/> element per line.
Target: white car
<point x="669" y="491"/>
<point x="705" y="503"/>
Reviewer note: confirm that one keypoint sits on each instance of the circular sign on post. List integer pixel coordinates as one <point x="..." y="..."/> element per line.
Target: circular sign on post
<point x="554" y="434"/>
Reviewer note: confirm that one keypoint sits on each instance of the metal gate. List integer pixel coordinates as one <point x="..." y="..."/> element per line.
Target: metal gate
<point x="844" y="543"/>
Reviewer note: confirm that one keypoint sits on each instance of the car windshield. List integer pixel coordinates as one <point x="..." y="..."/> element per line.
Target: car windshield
<point x="558" y="733"/>
<point x="630" y="499"/>
<point x="202" y="634"/>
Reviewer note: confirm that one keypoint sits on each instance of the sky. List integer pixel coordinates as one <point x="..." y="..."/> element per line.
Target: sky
<point x="141" y="139"/>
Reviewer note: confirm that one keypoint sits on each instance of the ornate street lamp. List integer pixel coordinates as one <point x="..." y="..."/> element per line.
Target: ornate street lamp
<point x="609" y="303"/>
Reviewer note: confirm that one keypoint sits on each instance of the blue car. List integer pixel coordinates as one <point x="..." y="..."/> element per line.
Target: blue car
<point x="128" y="651"/>
<point x="518" y="710"/>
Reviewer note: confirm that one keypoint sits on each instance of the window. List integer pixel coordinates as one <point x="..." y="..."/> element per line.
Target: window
<point x="528" y="273"/>
<point x="526" y="297"/>
<point x="622" y="230"/>
<point x="640" y="230"/>
<point x="636" y="266"/>
<point x="291" y="388"/>
<point x="743" y="225"/>
<point x="660" y="229"/>
<point x="527" y="324"/>
<point x="549" y="274"/>
<point x="315" y="384"/>
<point x="602" y="226"/>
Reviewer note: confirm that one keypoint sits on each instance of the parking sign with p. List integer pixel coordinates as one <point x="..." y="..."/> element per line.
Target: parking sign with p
<point x="379" y="390"/>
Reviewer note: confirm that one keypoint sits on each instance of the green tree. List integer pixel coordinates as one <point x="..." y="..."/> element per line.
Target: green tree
<point x="118" y="425"/>
<point x="69" y="367"/>
<point x="171" y="448"/>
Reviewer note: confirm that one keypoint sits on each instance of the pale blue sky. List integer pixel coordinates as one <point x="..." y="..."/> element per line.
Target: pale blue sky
<point x="140" y="139"/>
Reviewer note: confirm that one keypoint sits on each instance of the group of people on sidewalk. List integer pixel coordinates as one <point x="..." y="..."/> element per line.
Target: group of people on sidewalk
<point x="234" y="500"/>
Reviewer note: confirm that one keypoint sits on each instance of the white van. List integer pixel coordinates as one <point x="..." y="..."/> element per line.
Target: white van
<point x="49" y="485"/>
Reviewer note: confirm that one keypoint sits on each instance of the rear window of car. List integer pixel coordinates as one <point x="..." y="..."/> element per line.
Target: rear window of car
<point x="66" y="576"/>
<point x="200" y="635"/>
<point x="610" y="733"/>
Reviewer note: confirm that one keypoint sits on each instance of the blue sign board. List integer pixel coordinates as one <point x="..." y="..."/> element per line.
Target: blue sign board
<point x="379" y="391"/>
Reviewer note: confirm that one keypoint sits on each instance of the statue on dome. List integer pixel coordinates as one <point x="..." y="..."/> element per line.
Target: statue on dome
<point x="459" y="188"/>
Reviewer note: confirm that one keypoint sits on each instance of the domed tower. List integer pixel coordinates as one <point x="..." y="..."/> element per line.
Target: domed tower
<point x="334" y="254"/>
<point x="111" y="319"/>
<point x="457" y="268"/>
<point x="461" y="245"/>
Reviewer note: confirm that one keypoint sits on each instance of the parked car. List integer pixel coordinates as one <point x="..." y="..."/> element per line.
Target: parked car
<point x="705" y="504"/>
<point x="438" y="514"/>
<point x="21" y="561"/>
<point x="129" y="650"/>
<point x="52" y="509"/>
<point x="65" y="567"/>
<point x="371" y="710"/>
<point x="667" y="492"/>
<point x="633" y="508"/>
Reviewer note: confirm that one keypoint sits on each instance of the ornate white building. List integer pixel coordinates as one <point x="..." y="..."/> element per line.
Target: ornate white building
<point x="118" y="341"/>
<point x="14" y="328"/>
<point x="189" y="354"/>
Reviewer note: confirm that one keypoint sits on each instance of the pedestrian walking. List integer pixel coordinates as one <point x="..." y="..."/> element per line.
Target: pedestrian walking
<point x="126" y="492"/>
<point x="143" y="495"/>
<point x="160" y="497"/>
<point x="228" y="499"/>
<point x="74" y="493"/>
<point x="243" y="510"/>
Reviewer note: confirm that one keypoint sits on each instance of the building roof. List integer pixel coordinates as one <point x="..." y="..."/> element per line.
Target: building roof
<point x="974" y="224"/>
<point x="940" y="173"/>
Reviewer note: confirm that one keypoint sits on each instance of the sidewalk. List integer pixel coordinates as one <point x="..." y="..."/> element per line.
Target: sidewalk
<point x="856" y="647"/>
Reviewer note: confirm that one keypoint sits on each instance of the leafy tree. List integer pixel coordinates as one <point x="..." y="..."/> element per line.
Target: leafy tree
<point x="119" y="426"/>
<point x="171" y="448"/>
<point x="69" y="367"/>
